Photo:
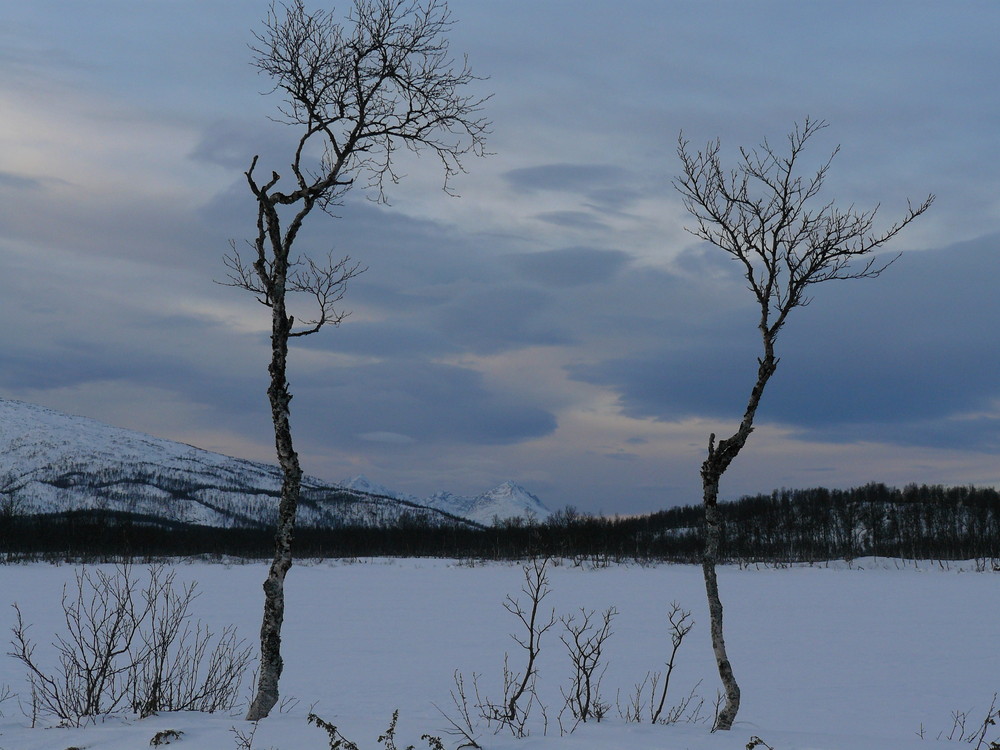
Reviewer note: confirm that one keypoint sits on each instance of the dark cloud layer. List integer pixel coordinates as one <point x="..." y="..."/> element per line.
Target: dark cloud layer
<point x="397" y="337"/>
<point x="570" y="266"/>
<point x="18" y="182"/>
<point x="423" y="401"/>
<point x="893" y="359"/>
<point x="601" y="186"/>
<point x="571" y="178"/>
<point x="495" y="319"/>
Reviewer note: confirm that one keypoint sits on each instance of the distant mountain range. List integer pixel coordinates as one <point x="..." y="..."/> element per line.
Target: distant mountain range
<point x="506" y="501"/>
<point x="51" y="462"/>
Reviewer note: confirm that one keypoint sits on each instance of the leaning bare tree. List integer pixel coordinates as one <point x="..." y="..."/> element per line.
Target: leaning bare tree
<point x="356" y="92"/>
<point x="763" y="214"/>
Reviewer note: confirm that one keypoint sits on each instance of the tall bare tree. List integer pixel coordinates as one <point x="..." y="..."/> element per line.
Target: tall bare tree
<point x="763" y="214"/>
<point x="355" y="92"/>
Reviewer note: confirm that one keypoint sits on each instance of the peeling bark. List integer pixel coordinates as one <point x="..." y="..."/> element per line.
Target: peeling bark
<point x="718" y="460"/>
<point x="728" y="712"/>
<point x="271" y="663"/>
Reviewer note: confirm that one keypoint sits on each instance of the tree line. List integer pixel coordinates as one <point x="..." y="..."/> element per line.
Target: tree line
<point x="787" y="525"/>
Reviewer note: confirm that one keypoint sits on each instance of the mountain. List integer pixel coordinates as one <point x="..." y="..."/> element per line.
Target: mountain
<point x="52" y="462"/>
<point x="361" y="483"/>
<point x="504" y="502"/>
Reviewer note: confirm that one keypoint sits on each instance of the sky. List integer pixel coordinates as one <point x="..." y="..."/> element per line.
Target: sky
<point x="555" y="324"/>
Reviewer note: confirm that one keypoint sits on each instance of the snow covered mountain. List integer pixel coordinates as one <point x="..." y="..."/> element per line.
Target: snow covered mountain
<point x="52" y="462"/>
<point x="506" y="501"/>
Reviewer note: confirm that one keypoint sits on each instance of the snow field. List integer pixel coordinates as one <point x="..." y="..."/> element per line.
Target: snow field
<point x="828" y="658"/>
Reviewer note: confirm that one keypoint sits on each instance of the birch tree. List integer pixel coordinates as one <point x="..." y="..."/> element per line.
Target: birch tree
<point x="355" y="92"/>
<point x="765" y="215"/>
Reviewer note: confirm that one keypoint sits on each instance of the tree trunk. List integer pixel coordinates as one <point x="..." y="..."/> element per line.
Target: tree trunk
<point x="274" y="587"/>
<point x="711" y="493"/>
<point x="718" y="460"/>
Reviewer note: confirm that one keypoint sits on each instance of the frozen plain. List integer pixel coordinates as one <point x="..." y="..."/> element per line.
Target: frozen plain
<point x="829" y="657"/>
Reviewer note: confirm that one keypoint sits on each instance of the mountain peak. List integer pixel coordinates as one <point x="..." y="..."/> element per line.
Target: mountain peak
<point x="505" y="501"/>
<point x="362" y="483"/>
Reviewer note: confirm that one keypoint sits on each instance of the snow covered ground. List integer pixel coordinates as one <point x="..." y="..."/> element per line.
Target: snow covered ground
<point x="829" y="658"/>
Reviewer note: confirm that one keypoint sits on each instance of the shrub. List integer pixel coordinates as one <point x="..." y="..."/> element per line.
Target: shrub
<point x="133" y="645"/>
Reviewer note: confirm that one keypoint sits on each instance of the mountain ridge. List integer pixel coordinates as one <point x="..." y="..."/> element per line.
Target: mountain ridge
<point x="506" y="501"/>
<point x="52" y="462"/>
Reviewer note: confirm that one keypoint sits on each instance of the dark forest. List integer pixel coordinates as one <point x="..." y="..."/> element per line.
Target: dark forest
<point x="916" y="522"/>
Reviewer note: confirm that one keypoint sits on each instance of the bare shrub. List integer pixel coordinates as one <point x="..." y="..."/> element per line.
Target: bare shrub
<point x="519" y="687"/>
<point x="179" y="668"/>
<point x="387" y="739"/>
<point x="520" y="696"/>
<point x="102" y="622"/>
<point x="461" y="724"/>
<point x="130" y="644"/>
<point x="680" y="625"/>
<point x="585" y="636"/>
<point x="976" y="735"/>
<point x="639" y="709"/>
<point x="244" y="740"/>
<point x="584" y="639"/>
<point x="648" y="700"/>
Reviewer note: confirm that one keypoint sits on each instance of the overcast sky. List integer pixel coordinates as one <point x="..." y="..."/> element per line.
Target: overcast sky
<point x="555" y="325"/>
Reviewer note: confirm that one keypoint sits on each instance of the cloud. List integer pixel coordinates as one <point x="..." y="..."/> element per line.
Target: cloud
<point x="569" y="178"/>
<point x="493" y="319"/>
<point x="911" y="349"/>
<point x="621" y="455"/>
<point x="676" y="382"/>
<point x="401" y="337"/>
<point x="570" y="266"/>
<point x="894" y="359"/>
<point x="391" y="438"/>
<point x="617" y="198"/>
<point x="436" y="403"/>
<point x="602" y="187"/>
<point x="580" y="220"/>
<point x="976" y="433"/>
<point x="233" y="143"/>
<point x="566" y="253"/>
<point x="12" y="181"/>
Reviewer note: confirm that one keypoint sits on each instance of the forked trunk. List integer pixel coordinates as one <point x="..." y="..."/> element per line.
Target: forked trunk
<point x="274" y="587"/>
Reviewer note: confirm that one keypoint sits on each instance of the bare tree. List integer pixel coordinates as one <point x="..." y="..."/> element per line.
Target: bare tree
<point x="356" y="93"/>
<point x="520" y="695"/>
<point x="585" y="640"/>
<point x="680" y="625"/>
<point x="762" y="213"/>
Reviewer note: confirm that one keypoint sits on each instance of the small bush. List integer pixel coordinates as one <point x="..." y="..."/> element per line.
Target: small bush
<point x="130" y="645"/>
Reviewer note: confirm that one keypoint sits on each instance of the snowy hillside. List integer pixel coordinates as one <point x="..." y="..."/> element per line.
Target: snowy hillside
<point x="52" y="462"/>
<point x="504" y="502"/>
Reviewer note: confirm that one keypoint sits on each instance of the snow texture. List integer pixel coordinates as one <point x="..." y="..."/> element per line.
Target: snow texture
<point x="830" y="657"/>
